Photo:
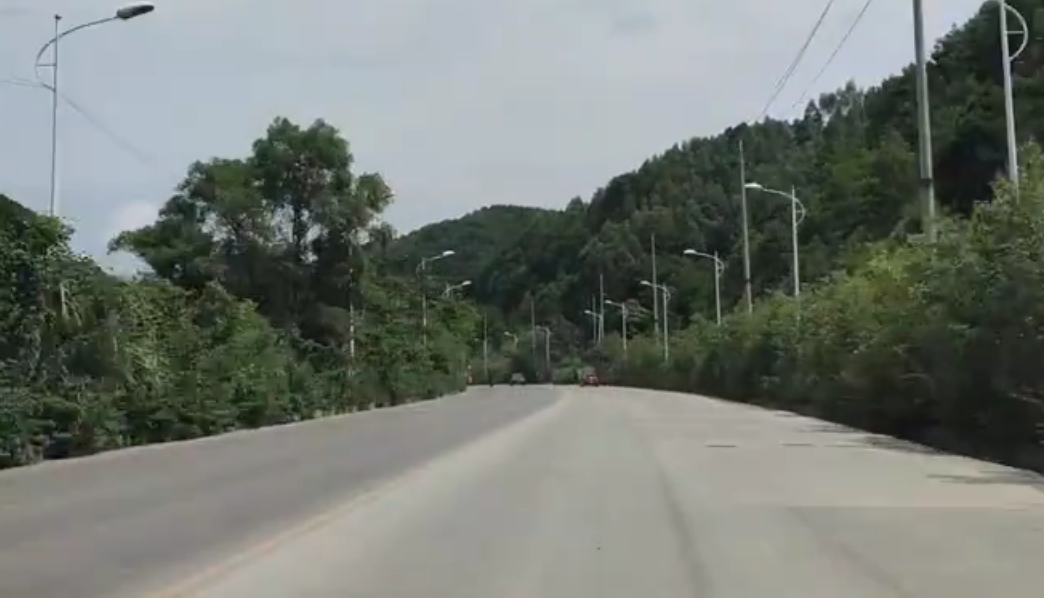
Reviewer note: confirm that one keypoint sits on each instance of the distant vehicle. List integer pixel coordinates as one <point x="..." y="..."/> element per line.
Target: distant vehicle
<point x="517" y="378"/>
<point x="589" y="379"/>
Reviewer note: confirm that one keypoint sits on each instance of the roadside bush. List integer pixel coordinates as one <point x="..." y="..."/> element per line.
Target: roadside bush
<point x="938" y="343"/>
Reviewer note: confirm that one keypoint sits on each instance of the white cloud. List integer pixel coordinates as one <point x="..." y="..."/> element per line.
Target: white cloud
<point x="460" y="103"/>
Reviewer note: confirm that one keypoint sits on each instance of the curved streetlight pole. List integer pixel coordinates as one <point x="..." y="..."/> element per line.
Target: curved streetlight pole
<point x="422" y="269"/>
<point x="797" y="216"/>
<point x="623" y="323"/>
<point x="122" y="14"/>
<point x="1009" y="94"/>
<point x="596" y="324"/>
<point x="719" y="269"/>
<point x="514" y="339"/>
<point x="455" y="287"/>
<point x="666" y="294"/>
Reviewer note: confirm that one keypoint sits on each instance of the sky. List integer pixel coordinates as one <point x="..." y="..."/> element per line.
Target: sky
<point x="458" y="103"/>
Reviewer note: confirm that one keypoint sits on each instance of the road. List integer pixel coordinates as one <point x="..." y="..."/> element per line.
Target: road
<point x="527" y="493"/>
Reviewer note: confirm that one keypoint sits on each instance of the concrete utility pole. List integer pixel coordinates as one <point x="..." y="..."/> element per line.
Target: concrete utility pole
<point x="746" y="230"/>
<point x="924" y="124"/>
<point x="601" y="306"/>
<point x="656" y="302"/>
<point x="533" y="327"/>
<point x="485" y="347"/>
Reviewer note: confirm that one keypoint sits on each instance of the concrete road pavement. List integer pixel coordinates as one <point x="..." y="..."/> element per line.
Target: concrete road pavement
<point x="613" y="493"/>
<point x="620" y="493"/>
<point x="117" y="522"/>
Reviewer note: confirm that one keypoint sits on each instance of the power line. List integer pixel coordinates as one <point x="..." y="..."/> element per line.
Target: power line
<point x="841" y="44"/>
<point x="112" y="135"/>
<point x="94" y="121"/>
<point x="797" y="60"/>
<point x="18" y="82"/>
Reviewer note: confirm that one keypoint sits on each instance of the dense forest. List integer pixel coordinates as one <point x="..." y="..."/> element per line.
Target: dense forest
<point x="277" y="294"/>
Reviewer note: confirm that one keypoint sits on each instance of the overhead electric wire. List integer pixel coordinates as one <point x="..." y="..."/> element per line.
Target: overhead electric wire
<point x="782" y="83"/>
<point x="94" y="121"/>
<point x="833" y="55"/>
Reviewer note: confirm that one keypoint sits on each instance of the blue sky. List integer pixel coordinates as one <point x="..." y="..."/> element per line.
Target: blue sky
<point x="459" y="103"/>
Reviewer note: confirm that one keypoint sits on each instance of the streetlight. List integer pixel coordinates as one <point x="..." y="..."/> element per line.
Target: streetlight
<point x="797" y="215"/>
<point x="547" y="349"/>
<point x="125" y="13"/>
<point x="455" y="287"/>
<point x="623" y="323"/>
<point x="514" y="338"/>
<point x="422" y="269"/>
<point x="1009" y="100"/>
<point x="719" y="268"/>
<point x="596" y="323"/>
<point x="662" y="288"/>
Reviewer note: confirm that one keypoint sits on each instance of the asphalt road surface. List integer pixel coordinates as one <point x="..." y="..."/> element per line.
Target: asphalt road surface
<point x="528" y="493"/>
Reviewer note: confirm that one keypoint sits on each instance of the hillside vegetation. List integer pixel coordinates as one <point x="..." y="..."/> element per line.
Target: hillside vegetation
<point x="246" y="321"/>
<point x="939" y="344"/>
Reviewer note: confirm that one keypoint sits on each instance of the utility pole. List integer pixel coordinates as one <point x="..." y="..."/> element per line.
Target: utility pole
<point x="485" y="347"/>
<point x="594" y="315"/>
<point x="666" y="343"/>
<point x="656" y="303"/>
<point x="623" y="327"/>
<point x="794" y="240"/>
<point x="1009" y="93"/>
<point x="547" y="354"/>
<point x="746" y="230"/>
<point x="601" y="306"/>
<point x="532" y="327"/>
<point x="924" y="124"/>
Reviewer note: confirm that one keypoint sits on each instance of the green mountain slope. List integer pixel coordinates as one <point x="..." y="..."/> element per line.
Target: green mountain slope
<point x="477" y="239"/>
<point x="851" y="159"/>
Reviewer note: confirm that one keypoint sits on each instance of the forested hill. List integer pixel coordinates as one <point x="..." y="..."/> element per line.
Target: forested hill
<point x="477" y="240"/>
<point x="851" y="158"/>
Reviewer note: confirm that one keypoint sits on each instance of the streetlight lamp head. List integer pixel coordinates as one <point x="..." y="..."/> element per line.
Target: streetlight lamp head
<point x="689" y="252"/>
<point x="134" y="10"/>
<point x="448" y="253"/>
<point x="753" y="186"/>
<point x="646" y="283"/>
<point x="466" y="283"/>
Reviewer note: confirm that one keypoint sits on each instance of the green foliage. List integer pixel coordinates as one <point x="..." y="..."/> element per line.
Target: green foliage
<point x="267" y="305"/>
<point x="926" y="342"/>
<point x="937" y="343"/>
